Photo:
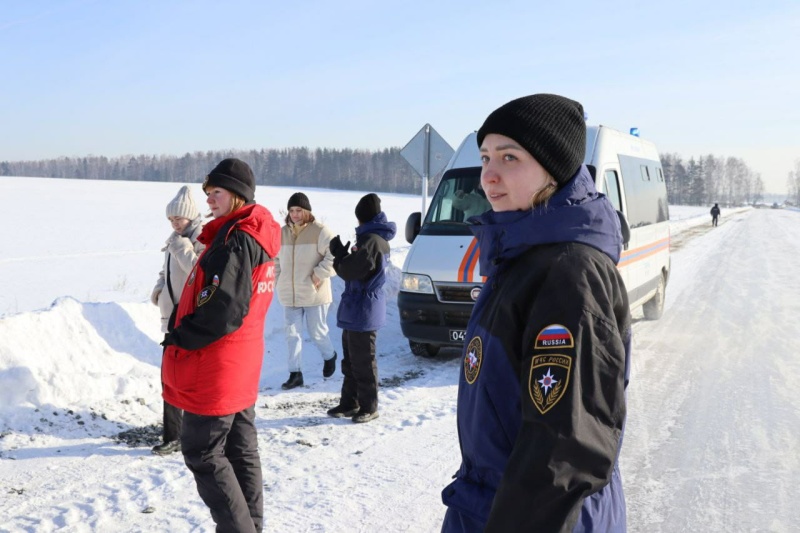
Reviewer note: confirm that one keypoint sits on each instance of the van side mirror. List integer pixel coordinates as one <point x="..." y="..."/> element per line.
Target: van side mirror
<point x="626" y="230"/>
<point x="412" y="226"/>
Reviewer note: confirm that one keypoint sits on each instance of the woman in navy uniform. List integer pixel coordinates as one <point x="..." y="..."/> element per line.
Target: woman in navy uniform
<point x="541" y="398"/>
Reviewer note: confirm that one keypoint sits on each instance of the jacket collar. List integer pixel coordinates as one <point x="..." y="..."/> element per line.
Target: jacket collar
<point x="575" y="213"/>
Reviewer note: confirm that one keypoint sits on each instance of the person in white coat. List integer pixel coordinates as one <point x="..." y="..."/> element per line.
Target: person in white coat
<point x="303" y="268"/>
<point x="471" y="203"/>
<point x="180" y="254"/>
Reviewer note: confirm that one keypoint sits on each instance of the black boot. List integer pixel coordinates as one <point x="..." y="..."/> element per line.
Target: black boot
<point x="329" y="367"/>
<point x="167" y="448"/>
<point x="295" y="380"/>
<point x="341" y="411"/>
<point x="364" y="416"/>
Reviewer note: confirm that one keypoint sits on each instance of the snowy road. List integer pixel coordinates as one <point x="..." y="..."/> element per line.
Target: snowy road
<point x="714" y="414"/>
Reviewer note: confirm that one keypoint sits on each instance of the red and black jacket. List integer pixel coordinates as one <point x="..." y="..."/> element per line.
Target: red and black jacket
<point x="212" y="361"/>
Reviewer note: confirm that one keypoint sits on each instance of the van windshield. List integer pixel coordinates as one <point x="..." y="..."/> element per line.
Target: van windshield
<point x="458" y="197"/>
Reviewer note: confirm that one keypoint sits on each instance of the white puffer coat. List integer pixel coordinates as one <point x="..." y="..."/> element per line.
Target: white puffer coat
<point x="302" y="254"/>
<point x="180" y="255"/>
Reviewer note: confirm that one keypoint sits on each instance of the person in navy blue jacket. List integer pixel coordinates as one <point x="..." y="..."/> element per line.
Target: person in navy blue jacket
<point x="362" y="309"/>
<point x="541" y="396"/>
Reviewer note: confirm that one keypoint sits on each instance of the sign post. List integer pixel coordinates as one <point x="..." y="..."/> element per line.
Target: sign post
<point x="427" y="153"/>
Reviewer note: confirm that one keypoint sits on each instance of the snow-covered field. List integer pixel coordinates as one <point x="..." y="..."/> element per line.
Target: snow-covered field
<point x="712" y="437"/>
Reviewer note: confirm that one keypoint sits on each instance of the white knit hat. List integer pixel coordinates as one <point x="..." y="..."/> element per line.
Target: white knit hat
<point x="183" y="205"/>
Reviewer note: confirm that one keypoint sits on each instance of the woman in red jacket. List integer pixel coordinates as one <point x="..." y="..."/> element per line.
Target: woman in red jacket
<point x="212" y="361"/>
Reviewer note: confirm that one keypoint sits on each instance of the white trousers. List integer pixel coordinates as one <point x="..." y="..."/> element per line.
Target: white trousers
<point x="316" y="319"/>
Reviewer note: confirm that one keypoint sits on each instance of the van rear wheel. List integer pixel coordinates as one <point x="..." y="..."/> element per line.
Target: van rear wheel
<point x="654" y="308"/>
<point x="423" y="349"/>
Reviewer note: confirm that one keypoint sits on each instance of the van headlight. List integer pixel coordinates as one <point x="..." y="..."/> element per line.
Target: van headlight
<point x="416" y="283"/>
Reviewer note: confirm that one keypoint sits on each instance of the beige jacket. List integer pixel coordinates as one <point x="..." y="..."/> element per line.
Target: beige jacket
<point x="301" y="255"/>
<point x="180" y="253"/>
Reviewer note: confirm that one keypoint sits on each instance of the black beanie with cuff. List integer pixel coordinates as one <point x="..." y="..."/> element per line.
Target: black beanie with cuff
<point x="550" y="127"/>
<point x="368" y="208"/>
<point x="235" y="176"/>
<point x="299" y="199"/>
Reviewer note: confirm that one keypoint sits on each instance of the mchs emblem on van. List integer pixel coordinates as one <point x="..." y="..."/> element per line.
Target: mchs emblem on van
<point x="474" y="293"/>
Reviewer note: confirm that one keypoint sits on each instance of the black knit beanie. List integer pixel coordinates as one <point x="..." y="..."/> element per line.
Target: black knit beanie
<point x="299" y="199"/>
<point x="368" y="208"/>
<point x="233" y="175"/>
<point x="550" y="127"/>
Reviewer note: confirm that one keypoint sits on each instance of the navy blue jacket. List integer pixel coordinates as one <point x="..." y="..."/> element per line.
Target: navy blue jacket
<point x="541" y="398"/>
<point x="363" y="303"/>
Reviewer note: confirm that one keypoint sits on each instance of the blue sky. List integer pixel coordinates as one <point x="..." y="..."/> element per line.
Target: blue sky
<point x="168" y="77"/>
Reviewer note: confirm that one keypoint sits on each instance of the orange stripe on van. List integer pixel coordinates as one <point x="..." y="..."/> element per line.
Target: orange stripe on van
<point x="637" y="254"/>
<point x="469" y="261"/>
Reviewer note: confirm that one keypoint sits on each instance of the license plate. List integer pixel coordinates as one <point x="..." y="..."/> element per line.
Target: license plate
<point x="457" y="335"/>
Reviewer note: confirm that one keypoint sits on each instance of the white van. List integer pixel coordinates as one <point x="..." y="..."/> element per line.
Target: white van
<point x="441" y="277"/>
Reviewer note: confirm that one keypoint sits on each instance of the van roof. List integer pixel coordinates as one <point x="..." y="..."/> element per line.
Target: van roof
<point x="602" y="138"/>
<point x="597" y="138"/>
<point x="467" y="154"/>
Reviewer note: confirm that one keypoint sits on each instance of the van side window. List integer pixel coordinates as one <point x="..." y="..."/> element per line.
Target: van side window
<point x="660" y="175"/>
<point x="611" y="189"/>
<point x="645" y="198"/>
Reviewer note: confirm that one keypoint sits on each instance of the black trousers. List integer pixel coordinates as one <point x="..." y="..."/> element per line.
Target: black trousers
<point x="173" y="419"/>
<point x="222" y="453"/>
<point x="360" y="369"/>
<point x="173" y="416"/>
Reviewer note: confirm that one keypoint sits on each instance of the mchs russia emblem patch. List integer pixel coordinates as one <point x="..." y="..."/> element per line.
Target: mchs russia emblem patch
<point x="473" y="360"/>
<point x="548" y="380"/>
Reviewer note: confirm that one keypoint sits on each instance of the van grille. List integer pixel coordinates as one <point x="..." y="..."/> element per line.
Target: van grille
<point x="458" y="294"/>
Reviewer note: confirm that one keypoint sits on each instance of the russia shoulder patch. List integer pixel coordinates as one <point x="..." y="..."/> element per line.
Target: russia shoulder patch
<point x="553" y="336"/>
<point x="548" y="380"/>
<point x="473" y="360"/>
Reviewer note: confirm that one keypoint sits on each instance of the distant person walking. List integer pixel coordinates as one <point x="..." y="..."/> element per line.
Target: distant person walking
<point x="303" y="269"/>
<point x="715" y="215"/>
<point x="180" y="255"/>
<point x="362" y="309"/>
<point x="213" y="356"/>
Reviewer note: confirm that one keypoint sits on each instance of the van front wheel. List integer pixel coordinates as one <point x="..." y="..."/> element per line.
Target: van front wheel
<point x="654" y="308"/>
<point x="423" y="349"/>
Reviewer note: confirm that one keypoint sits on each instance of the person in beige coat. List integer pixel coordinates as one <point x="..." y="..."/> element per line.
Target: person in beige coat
<point x="180" y="254"/>
<point x="303" y="268"/>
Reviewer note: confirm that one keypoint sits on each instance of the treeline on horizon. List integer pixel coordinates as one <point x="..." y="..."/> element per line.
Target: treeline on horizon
<point x="345" y="169"/>
<point x="698" y="181"/>
<point x="708" y="179"/>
